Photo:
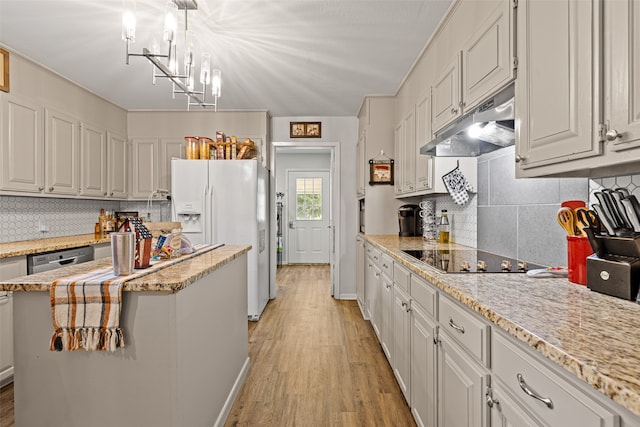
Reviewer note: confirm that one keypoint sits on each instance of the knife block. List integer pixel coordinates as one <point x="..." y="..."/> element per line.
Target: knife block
<point x="622" y="246"/>
<point x="613" y="275"/>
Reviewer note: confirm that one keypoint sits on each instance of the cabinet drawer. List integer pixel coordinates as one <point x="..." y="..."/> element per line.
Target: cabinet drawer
<point x="424" y="294"/>
<point x="401" y="276"/>
<point x="374" y="254"/>
<point x="386" y="265"/>
<point x="470" y="332"/>
<point x="564" y="404"/>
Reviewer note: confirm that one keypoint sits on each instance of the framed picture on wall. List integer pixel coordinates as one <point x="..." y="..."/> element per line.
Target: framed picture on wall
<point x="305" y="129"/>
<point x="4" y="70"/>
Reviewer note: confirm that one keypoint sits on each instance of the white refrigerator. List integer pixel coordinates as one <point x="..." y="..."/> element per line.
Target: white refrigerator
<point x="226" y="201"/>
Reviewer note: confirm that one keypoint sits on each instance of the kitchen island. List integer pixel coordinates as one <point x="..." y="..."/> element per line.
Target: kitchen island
<point x="185" y="358"/>
<point x="586" y="341"/>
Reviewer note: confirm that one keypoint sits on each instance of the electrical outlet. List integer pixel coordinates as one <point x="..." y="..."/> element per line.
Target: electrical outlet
<point x="42" y="227"/>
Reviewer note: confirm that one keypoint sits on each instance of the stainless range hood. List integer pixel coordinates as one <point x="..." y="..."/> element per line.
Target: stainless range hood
<point x="487" y="128"/>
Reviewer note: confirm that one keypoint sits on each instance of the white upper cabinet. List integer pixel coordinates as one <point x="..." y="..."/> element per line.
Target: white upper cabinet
<point x="144" y="167"/>
<point x="22" y="147"/>
<point x="481" y="66"/>
<point x="424" y="173"/>
<point x="622" y="61"/>
<point x="445" y="95"/>
<point x="558" y="85"/>
<point x="361" y="170"/>
<point x="169" y="148"/>
<point x="117" y="156"/>
<point x="487" y="57"/>
<point x="61" y="153"/>
<point x="93" y="168"/>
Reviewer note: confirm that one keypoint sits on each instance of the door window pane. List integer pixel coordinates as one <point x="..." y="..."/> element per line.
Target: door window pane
<point x="309" y="199"/>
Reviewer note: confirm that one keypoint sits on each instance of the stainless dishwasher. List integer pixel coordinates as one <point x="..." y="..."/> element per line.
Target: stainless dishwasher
<point x="47" y="261"/>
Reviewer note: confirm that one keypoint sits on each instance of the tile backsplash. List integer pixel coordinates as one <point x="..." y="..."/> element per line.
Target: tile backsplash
<point x="518" y="216"/>
<point x="22" y="217"/>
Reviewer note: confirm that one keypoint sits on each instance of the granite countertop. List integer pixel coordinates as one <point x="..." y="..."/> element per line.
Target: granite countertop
<point x="592" y="335"/>
<point x="178" y="275"/>
<point x="27" y="247"/>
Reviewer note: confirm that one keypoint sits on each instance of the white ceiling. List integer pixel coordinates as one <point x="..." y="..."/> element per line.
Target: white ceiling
<point x="291" y="57"/>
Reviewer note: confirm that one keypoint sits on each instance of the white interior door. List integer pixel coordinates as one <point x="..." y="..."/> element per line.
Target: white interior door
<point x="308" y="217"/>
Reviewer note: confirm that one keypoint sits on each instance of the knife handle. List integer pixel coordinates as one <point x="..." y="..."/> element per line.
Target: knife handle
<point x="604" y="219"/>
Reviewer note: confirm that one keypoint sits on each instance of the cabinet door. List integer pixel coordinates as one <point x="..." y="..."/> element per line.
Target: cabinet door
<point x="22" y="148"/>
<point x="117" y="165"/>
<point x="61" y="153"/>
<point x="144" y="167"/>
<point x="402" y="341"/>
<point x="558" y="89"/>
<point x="360" y="273"/>
<point x="409" y="152"/>
<point x="505" y="412"/>
<point x="398" y="148"/>
<point x="386" y="317"/>
<point x="169" y="148"/>
<point x="461" y="386"/>
<point x="6" y="337"/>
<point x="424" y="170"/>
<point x="376" y="302"/>
<point x="623" y="72"/>
<point x="487" y="57"/>
<point x="445" y="96"/>
<point x="369" y="282"/>
<point x="94" y="161"/>
<point x="423" y="368"/>
<point x="361" y="165"/>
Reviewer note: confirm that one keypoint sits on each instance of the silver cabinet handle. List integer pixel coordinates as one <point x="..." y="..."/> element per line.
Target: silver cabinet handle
<point x="530" y="392"/>
<point x="377" y="274"/>
<point x="385" y="265"/>
<point x="50" y="188"/>
<point x="612" y="135"/>
<point x="105" y="193"/>
<point x="40" y="188"/>
<point x="387" y="286"/>
<point x="456" y="327"/>
<point x="454" y="111"/>
<point x="111" y="194"/>
<point x="520" y="158"/>
<point x="490" y="400"/>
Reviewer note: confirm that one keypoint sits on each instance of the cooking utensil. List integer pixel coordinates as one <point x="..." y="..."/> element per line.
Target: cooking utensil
<point x="603" y="211"/>
<point x="617" y="197"/>
<point x="631" y="213"/>
<point x="610" y="209"/>
<point x="592" y="228"/>
<point x="573" y="204"/>
<point x="635" y="204"/>
<point x="604" y="219"/>
<point x="566" y="218"/>
<point x="624" y="191"/>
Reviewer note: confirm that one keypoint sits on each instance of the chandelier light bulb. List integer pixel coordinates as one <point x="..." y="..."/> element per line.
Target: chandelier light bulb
<point x="129" y="25"/>
<point x="216" y="82"/>
<point x="170" y="22"/>
<point x="205" y="68"/>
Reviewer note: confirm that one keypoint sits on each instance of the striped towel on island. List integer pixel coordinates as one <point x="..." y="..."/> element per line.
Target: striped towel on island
<point x="86" y="311"/>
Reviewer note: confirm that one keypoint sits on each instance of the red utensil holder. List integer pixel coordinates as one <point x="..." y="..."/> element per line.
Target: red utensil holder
<point x="578" y="249"/>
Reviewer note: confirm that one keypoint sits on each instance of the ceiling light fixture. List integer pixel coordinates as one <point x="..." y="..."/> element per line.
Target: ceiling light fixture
<point x="182" y="83"/>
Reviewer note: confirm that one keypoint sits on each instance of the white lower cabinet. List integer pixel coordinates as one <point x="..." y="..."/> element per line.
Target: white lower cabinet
<point x="386" y="316"/>
<point x="455" y="369"/>
<point x="102" y="250"/>
<point x="401" y="362"/>
<point x="505" y="411"/>
<point x="544" y="393"/>
<point x="9" y="268"/>
<point x="461" y="386"/>
<point x="423" y="367"/>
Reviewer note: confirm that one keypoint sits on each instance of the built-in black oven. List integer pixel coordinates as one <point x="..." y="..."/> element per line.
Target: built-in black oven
<point x="361" y="215"/>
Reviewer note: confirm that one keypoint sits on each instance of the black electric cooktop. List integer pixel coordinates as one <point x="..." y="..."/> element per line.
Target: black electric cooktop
<point x="471" y="261"/>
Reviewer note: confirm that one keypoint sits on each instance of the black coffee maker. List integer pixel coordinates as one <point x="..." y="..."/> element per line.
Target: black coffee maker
<point x="409" y="220"/>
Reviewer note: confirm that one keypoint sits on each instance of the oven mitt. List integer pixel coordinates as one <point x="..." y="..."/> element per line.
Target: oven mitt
<point x="457" y="186"/>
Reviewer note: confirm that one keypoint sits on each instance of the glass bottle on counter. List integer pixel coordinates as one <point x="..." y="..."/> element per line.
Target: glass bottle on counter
<point x="444" y="227"/>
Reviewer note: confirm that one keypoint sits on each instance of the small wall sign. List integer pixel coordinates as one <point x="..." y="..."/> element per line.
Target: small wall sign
<point x="305" y="129"/>
<point x="381" y="172"/>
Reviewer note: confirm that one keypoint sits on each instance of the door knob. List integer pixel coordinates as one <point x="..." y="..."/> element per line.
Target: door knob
<point x="291" y="225"/>
<point x="519" y="158"/>
<point x="612" y="135"/>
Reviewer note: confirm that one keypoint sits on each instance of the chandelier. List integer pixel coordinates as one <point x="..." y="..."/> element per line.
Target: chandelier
<point x="167" y="65"/>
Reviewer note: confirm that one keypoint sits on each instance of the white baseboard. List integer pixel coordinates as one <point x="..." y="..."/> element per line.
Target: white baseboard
<point x="348" y="296"/>
<point x="226" y="408"/>
<point x="6" y="376"/>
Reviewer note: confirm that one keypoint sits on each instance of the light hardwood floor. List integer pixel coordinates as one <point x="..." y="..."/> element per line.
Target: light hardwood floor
<point x="314" y="362"/>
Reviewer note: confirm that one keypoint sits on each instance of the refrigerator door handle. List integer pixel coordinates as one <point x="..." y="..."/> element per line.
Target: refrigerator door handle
<point x="212" y="215"/>
<point x="205" y="216"/>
